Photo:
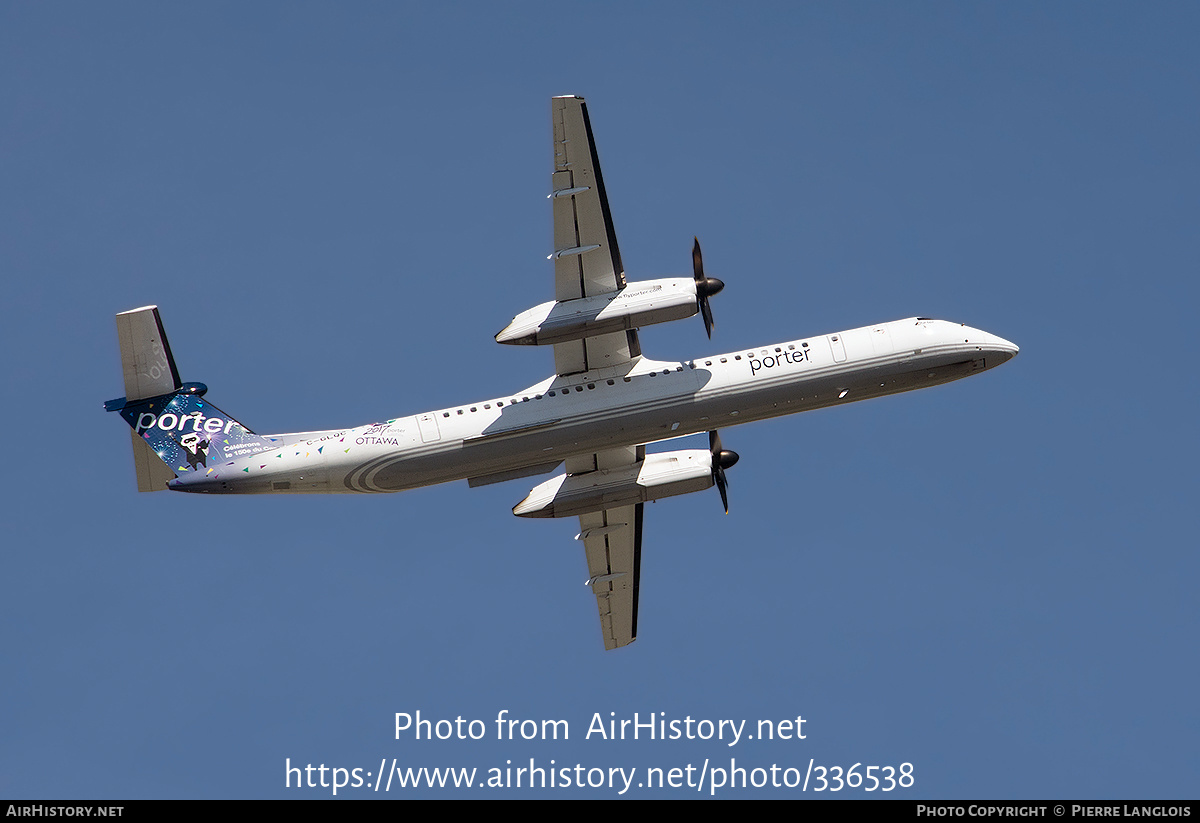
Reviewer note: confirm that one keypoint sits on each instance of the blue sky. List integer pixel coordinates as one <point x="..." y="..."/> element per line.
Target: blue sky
<point x="337" y="207"/>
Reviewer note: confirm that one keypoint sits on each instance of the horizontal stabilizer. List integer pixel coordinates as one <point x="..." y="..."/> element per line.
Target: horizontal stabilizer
<point x="145" y="354"/>
<point x="149" y="371"/>
<point x="153" y="475"/>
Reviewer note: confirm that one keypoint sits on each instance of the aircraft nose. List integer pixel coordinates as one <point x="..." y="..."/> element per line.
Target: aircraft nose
<point x="997" y="349"/>
<point x="1005" y="347"/>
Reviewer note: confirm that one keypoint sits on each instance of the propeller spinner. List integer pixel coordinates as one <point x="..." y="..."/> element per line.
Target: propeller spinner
<point x="706" y="287"/>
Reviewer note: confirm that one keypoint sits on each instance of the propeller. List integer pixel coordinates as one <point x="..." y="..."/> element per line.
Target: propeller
<point x="721" y="460"/>
<point x="706" y="287"/>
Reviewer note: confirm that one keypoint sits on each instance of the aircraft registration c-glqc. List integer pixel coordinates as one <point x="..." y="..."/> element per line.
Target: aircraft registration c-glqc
<point x="591" y="420"/>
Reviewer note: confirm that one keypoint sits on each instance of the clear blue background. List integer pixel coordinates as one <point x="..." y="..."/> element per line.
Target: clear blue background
<point x="336" y="207"/>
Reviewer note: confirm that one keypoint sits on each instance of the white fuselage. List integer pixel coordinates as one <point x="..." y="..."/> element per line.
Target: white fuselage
<point x="529" y="432"/>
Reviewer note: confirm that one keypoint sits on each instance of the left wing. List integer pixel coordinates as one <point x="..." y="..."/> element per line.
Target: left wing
<point x="612" y="541"/>
<point x="587" y="261"/>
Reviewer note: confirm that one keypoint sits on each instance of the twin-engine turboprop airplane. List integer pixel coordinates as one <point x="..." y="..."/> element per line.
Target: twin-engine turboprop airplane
<point x="593" y="418"/>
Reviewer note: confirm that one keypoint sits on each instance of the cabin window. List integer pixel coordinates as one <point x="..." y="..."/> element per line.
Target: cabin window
<point x="473" y="408"/>
<point x="627" y="379"/>
<point x="724" y="359"/>
<point x="445" y="414"/>
<point x="612" y="382"/>
<point x="591" y="386"/>
<point x="708" y="362"/>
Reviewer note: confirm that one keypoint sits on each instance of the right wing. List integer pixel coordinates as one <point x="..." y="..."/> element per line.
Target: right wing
<point x="612" y="541"/>
<point x="587" y="261"/>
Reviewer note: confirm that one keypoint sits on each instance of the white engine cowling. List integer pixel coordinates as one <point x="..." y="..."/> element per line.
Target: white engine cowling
<point x="638" y="304"/>
<point x="658" y="476"/>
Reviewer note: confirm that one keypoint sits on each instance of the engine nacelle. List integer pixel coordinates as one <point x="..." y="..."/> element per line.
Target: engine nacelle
<point x="658" y="476"/>
<point x="638" y="304"/>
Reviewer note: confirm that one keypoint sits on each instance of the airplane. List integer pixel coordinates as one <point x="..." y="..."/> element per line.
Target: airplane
<point x="593" y="418"/>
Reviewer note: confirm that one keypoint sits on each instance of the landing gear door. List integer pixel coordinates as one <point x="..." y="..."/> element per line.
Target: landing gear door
<point x="427" y="423"/>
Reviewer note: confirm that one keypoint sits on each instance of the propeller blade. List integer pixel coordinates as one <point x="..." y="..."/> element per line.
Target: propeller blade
<point x="721" y="460"/>
<point x="706" y="313"/>
<point x="706" y="287"/>
<point x="722" y="486"/>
